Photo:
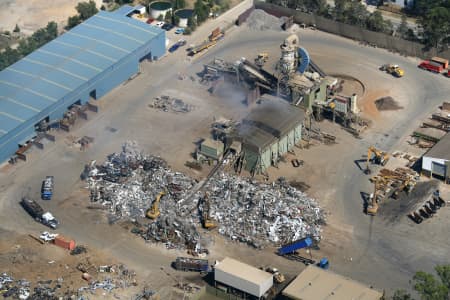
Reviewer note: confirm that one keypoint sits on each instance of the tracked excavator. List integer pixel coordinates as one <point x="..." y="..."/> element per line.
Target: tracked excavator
<point x="372" y="208"/>
<point x="207" y="222"/>
<point x="153" y="212"/>
<point x="376" y="156"/>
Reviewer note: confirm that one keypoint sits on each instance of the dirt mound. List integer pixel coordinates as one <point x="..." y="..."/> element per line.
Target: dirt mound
<point x="260" y="20"/>
<point x="387" y="103"/>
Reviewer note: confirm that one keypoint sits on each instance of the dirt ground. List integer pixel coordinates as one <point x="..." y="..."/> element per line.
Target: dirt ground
<point x="31" y="15"/>
<point x="358" y="246"/>
<point x="22" y="257"/>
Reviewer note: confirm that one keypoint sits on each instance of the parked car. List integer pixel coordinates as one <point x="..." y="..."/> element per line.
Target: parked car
<point x="47" y="237"/>
<point x="179" y="30"/>
<point x="174" y="47"/>
<point x="160" y="24"/>
<point x="167" y="27"/>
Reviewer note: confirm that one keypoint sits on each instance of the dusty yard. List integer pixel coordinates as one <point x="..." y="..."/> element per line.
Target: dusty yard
<point x="31" y="15"/>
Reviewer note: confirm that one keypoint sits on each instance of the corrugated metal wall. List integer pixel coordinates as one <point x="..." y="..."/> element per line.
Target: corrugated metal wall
<point x="272" y="152"/>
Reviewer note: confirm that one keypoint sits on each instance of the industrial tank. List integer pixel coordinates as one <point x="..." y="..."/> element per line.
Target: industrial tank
<point x="158" y="8"/>
<point x="183" y="15"/>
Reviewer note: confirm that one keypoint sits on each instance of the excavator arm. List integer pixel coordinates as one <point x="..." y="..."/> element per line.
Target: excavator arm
<point x="379" y="157"/>
<point x="153" y="212"/>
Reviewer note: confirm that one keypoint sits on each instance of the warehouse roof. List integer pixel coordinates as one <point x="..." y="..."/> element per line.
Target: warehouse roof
<point x="240" y="270"/>
<point x="124" y="10"/>
<point x="275" y="116"/>
<point x="66" y="64"/>
<point x="271" y="119"/>
<point x="316" y="284"/>
<point x="441" y="149"/>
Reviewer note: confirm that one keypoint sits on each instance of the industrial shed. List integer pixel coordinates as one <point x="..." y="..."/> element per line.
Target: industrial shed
<point x="436" y="162"/>
<point x="242" y="277"/>
<point x="318" y="284"/>
<point x="272" y="129"/>
<point x="82" y="64"/>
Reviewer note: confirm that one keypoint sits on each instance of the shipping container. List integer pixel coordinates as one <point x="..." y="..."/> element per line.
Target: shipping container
<point x="441" y="61"/>
<point x="64" y="242"/>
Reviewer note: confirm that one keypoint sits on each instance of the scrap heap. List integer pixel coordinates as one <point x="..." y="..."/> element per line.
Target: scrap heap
<point x="258" y="214"/>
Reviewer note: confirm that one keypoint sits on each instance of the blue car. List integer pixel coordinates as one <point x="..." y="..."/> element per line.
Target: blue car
<point x="174" y="47"/>
<point x="179" y="30"/>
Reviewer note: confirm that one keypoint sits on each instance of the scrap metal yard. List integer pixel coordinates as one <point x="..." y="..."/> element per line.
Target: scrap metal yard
<point x="191" y="157"/>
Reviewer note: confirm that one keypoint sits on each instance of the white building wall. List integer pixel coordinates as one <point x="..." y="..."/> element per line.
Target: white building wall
<point x="427" y="162"/>
<point x="242" y="284"/>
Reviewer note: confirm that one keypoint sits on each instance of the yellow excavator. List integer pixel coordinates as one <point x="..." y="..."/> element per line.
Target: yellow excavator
<point x="207" y="222"/>
<point x="372" y="207"/>
<point x="376" y="156"/>
<point x="153" y="212"/>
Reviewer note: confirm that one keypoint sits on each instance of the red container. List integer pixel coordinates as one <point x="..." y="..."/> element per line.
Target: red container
<point x="64" y="243"/>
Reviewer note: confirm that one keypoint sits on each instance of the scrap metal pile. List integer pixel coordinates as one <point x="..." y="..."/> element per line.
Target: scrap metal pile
<point x="168" y="104"/>
<point x="258" y="214"/>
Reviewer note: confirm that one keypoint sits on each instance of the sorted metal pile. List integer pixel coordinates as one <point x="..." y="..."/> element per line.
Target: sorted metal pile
<point x="258" y="214"/>
<point x="168" y="104"/>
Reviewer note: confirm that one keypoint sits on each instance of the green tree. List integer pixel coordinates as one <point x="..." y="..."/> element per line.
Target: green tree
<point x="16" y="29"/>
<point x="179" y="4"/>
<point x="401" y="295"/>
<point x="73" y="21"/>
<point x="187" y="31"/>
<point x="402" y="29"/>
<point x="160" y="17"/>
<point x="192" y="24"/>
<point x="168" y="17"/>
<point x="86" y="9"/>
<point x="429" y="287"/>
<point x="201" y="11"/>
<point x="436" y="26"/>
<point x="444" y="274"/>
<point x="8" y="57"/>
<point x="176" y="19"/>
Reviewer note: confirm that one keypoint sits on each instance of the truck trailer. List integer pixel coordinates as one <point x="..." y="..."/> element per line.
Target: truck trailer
<point x="191" y="264"/>
<point x="36" y="211"/>
<point x="431" y="66"/>
<point x="47" y="188"/>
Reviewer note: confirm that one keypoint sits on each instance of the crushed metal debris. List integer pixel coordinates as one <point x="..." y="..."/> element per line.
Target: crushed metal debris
<point x="169" y="104"/>
<point x="255" y="213"/>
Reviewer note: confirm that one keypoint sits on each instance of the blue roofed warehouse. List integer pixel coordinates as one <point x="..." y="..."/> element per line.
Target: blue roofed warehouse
<point x="82" y="64"/>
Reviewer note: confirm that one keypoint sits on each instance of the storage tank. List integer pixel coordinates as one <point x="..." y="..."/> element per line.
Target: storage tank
<point x="158" y="8"/>
<point x="183" y="15"/>
<point x="288" y="53"/>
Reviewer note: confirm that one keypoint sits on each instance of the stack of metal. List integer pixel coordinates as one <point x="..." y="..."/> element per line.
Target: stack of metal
<point x="259" y="214"/>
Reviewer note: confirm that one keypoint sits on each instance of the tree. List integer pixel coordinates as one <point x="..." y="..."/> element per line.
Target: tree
<point x="402" y="29"/>
<point x="86" y="9"/>
<point x="168" y="17"/>
<point x="192" y="24"/>
<point x="16" y="29"/>
<point x="444" y="274"/>
<point x="73" y="21"/>
<point x="401" y="295"/>
<point x="160" y="17"/>
<point x="179" y="4"/>
<point x="436" y="26"/>
<point x="429" y="287"/>
<point x="201" y="11"/>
